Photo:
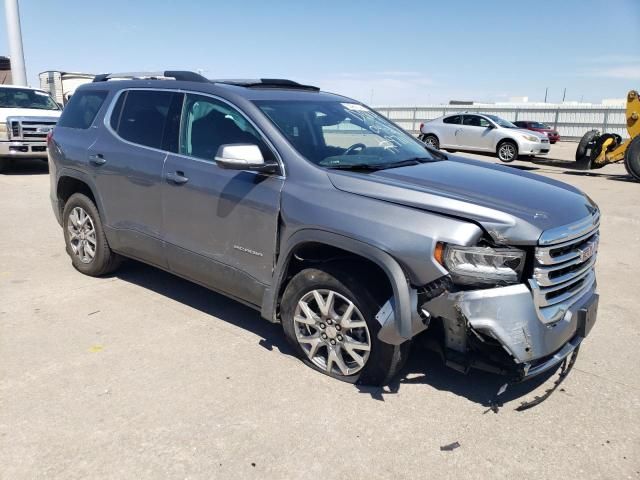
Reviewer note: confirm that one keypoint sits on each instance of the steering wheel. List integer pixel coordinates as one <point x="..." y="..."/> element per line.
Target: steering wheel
<point x="354" y="147"/>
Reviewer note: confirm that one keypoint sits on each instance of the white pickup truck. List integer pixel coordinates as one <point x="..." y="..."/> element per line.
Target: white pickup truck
<point x="27" y="115"/>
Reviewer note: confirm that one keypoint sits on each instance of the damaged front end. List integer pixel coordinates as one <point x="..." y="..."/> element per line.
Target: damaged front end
<point x="510" y="311"/>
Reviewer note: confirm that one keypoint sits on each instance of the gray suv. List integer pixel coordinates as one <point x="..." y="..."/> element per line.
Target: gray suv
<point x="327" y="218"/>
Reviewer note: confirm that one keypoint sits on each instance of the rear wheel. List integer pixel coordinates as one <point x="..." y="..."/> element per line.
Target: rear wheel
<point x="4" y="164"/>
<point x="585" y="141"/>
<point x="328" y="316"/>
<point x="632" y="158"/>
<point x="431" y="141"/>
<point x="507" y="151"/>
<point x="85" y="239"/>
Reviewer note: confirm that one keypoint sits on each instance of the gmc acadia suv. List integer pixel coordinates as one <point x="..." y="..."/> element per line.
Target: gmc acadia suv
<point x="326" y="217"/>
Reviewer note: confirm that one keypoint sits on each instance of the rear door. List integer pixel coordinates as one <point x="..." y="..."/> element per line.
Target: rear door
<point x="220" y="226"/>
<point x="127" y="161"/>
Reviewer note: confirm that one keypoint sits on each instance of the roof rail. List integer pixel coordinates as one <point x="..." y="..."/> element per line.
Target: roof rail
<point x="182" y="75"/>
<point x="269" y="83"/>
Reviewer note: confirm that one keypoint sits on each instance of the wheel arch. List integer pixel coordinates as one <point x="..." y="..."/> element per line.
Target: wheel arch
<point x="354" y="249"/>
<point x="70" y="182"/>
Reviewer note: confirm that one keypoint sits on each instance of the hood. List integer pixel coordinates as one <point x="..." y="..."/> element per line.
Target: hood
<point x="27" y="112"/>
<point x="512" y="205"/>
<point x="526" y="131"/>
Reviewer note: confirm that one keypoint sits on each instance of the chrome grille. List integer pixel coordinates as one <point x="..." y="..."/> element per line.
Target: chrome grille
<point x="564" y="267"/>
<point x="30" y="128"/>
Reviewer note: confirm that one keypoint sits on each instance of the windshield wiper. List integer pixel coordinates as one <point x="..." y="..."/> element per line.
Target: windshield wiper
<point x="357" y="166"/>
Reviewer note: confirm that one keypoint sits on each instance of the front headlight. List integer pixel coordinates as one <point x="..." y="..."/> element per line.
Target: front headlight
<point x="531" y="138"/>
<point x="483" y="265"/>
<point x="4" y="135"/>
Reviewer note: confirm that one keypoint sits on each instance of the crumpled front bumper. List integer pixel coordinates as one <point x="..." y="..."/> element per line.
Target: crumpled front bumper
<point x="509" y="316"/>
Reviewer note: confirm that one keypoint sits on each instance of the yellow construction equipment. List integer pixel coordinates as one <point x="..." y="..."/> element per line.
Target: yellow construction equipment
<point x="596" y="149"/>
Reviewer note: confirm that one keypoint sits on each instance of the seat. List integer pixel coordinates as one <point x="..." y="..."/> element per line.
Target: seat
<point x="213" y="130"/>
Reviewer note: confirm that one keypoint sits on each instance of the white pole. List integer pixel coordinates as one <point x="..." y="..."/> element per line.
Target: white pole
<point x="18" y="71"/>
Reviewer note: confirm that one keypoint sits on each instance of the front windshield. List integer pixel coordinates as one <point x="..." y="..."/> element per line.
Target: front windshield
<point x="26" y="98"/>
<point x="538" y="125"/>
<point x="343" y="135"/>
<point x="501" y="121"/>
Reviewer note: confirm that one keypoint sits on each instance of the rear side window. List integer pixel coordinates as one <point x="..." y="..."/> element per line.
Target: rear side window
<point x="142" y="116"/>
<point x="82" y="109"/>
<point x="454" y="119"/>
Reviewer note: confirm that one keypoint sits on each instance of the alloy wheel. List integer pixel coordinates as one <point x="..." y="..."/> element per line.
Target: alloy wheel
<point x="507" y="152"/>
<point x="332" y="332"/>
<point x="82" y="235"/>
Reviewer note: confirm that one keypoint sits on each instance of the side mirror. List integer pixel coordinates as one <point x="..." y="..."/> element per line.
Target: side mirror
<point x="491" y="126"/>
<point x="244" y="156"/>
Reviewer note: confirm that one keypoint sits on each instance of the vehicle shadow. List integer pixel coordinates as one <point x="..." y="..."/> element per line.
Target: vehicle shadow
<point x="423" y="367"/>
<point x="27" y="166"/>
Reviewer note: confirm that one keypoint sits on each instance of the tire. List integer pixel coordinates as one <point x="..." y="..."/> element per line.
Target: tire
<point x="4" y="165"/>
<point x="377" y="366"/>
<point x="431" y="141"/>
<point x="632" y="158"/>
<point x="587" y="138"/>
<point x="81" y="216"/>
<point x="507" y="151"/>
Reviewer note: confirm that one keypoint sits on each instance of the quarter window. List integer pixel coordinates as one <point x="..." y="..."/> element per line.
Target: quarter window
<point x="208" y="123"/>
<point x="454" y="119"/>
<point x="143" y="116"/>
<point x="82" y="109"/>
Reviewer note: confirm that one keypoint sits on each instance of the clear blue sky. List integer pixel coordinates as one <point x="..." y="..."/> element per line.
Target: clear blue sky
<point x="380" y="52"/>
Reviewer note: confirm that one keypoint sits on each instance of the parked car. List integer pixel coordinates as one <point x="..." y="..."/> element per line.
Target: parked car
<point x="552" y="134"/>
<point x="27" y="115"/>
<point x="483" y="133"/>
<point x="329" y="219"/>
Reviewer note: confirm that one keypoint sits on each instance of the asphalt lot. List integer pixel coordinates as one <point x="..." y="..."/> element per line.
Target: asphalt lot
<point x="143" y="375"/>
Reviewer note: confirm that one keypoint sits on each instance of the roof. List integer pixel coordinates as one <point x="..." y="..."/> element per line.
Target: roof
<point x="250" y="89"/>
<point x="21" y="87"/>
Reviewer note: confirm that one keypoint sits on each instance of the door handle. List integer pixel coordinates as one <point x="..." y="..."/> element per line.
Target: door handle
<point x="177" y="178"/>
<point x="97" y="159"/>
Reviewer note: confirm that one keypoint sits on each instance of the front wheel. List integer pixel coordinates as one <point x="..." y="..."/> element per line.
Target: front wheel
<point x="329" y="319"/>
<point x="507" y="151"/>
<point x="4" y="164"/>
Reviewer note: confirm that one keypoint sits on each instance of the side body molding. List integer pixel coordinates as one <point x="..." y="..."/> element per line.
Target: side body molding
<point x="397" y="278"/>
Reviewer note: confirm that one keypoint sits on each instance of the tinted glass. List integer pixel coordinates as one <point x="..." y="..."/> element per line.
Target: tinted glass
<point x="144" y="116"/>
<point x="454" y="119"/>
<point x="539" y="125"/>
<point x="475" y="121"/>
<point x="208" y="123"/>
<point x="82" y="109"/>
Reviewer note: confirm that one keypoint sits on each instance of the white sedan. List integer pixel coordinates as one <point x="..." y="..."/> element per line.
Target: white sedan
<point x="483" y="133"/>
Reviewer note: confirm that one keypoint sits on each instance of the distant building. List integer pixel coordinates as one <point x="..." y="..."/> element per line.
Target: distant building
<point x="614" y="102"/>
<point x="5" y="71"/>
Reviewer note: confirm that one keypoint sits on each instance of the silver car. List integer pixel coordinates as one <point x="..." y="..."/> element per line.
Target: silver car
<point x="483" y="133"/>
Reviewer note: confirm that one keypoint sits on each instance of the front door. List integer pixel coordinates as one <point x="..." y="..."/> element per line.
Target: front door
<point x="476" y="133"/>
<point x="220" y="226"/>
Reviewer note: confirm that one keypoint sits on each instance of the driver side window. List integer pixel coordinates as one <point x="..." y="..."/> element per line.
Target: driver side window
<point x="208" y="123"/>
